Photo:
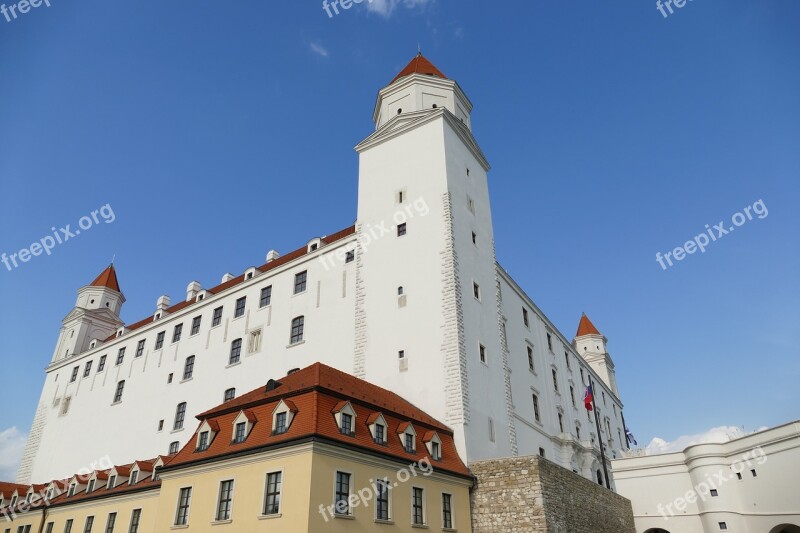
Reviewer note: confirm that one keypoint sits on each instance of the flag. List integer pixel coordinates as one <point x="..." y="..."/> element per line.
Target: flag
<point x="588" y="398"/>
<point x="630" y="438"/>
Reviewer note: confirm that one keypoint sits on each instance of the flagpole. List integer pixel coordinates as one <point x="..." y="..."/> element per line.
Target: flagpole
<point x="600" y="436"/>
<point x="625" y="429"/>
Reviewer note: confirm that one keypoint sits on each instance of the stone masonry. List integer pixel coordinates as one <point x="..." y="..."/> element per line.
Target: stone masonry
<point x="533" y="495"/>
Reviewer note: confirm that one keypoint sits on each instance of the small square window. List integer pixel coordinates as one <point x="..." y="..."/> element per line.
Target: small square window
<point x="723" y="526"/>
<point x="714" y="493"/>
<point x="401" y="354"/>
<point x="350" y="256"/>
<point x="401" y="229"/>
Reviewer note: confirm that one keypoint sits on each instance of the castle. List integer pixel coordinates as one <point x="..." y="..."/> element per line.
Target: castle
<point x="410" y="298"/>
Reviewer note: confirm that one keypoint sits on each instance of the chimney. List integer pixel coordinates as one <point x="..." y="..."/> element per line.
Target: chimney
<point x="192" y="290"/>
<point x="227" y="277"/>
<point x="162" y="303"/>
<point x="272" y="255"/>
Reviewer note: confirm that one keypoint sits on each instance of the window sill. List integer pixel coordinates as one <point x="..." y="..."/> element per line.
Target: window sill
<point x="533" y="371"/>
<point x="185" y="380"/>
<point x="186" y="526"/>
<point x="116" y="403"/>
<point x="176" y="430"/>
<point x="269" y="516"/>
<point x="221" y="522"/>
<point x="299" y="293"/>
<point x="449" y="529"/>
<point x="420" y="526"/>
<point x="344" y="516"/>
<point x="230" y="365"/>
<point x="298" y="343"/>
<point x="264" y="307"/>
<point x="386" y="522"/>
<point x="238" y="317"/>
<point x="194" y="334"/>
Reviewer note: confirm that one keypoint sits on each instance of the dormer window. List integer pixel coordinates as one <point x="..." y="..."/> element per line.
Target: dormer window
<point x="242" y="425"/>
<point x="70" y="492"/>
<point x="240" y="432"/>
<point x="90" y="487"/>
<point x="408" y="437"/>
<point x="434" y="445"/>
<point x="134" y="477"/>
<point x="380" y="434"/>
<point x="377" y="426"/>
<point x="282" y="417"/>
<point x="345" y="415"/>
<point x="202" y="441"/>
<point x="112" y="481"/>
<point x="409" y="443"/>
<point x="347" y="424"/>
<point x="205" y="434"/>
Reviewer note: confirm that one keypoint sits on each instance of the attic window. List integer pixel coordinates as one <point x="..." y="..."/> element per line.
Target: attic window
<point x="408" y="437"/>
<point x="314" y="247"/>
<point x="241" y="432"/>
<point x="345" y="416"/>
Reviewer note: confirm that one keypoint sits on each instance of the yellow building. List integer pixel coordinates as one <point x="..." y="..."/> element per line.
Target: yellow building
<point x="319" y="450"/>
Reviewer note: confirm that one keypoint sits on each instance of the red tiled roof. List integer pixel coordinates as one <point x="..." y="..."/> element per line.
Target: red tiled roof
<point x="420" y="65"/>
<point x="586" y="327"/>
<point x="316" y="391"/>
<point x="8" y="488"/>
<point x="107" y="278"/>
<point x="300" y="252"/>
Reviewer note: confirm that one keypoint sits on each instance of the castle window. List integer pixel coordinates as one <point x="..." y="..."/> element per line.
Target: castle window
<point x="176" y="333"/>
<point x="482" y="353"/>
<point x="474" y="238"/>
<point x="399" y="110"/>
<point x="566" y="358"/>
<point x="188" y="368"/>
<point x="266" y="296"/>
<point x="578" y="431"/>
<point x="476" y="291"/>
<point x="298" y="324"/>
<point x="753" y="472"/>
<point x="169" y="378"/>
<point x="350" y="256"/>
<point x="536" y="415"/>
<point x="723" y="526"/>
<point x="74" y="374"/>
<point x="120" y="356"/>
<point x="160" y="425"/>
<point x="272" y="501"/>
<point x="230" y="394"/>
<point x="561" y="422"/>
<point x="714" y="493"/>
<point x="160" y="340"/>
<point x="180" y="415"/>
<point x="87" y="369"/>
<point x="217" y="318"/>
<point x="400" y="290"/>
<point x="470" y="204"/>
<point x="555" y="380"/>
<point x="531" y="362"/>
<point x="118" y="392"/>
<point x="572" y="395"/>
<point x="236" y="352"/>
<point x="240" y="305"/>
<point x="342" y="494"/>
<point x="196" y="325"/>
<point x="173" y="447"/>
<point x="447" y="511"/>
<point x="140" y="348"/>
<point x="401" y="229"/>
<point x="549" y="342"/>
<point x="401" y="354"/>
<point x="300" y="280"/>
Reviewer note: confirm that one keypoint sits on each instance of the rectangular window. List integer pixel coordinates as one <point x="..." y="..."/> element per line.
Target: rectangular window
<point x="136" y="515"/>
<point x="723" y="526"/>
<point x="188" y="368"/>
<point x="182" y="514"/>
<point x="566" y="358"/>
<point x="531" y="363"/>
<point x="536" y="408"/>
<point x="272" y="502"/>
<point x="241" y="431"/>
<point x="280" y="423"/>
<point x="68" y="526"/>
<point x="140" y="348"/>
<point x="578" y="431"/>
<point x="202" y="441"/>
<point x="90" y="486"/>
<point x="298" y="324"/>
<point x="572" y="395"/>
<point x="401" y="229"/>
<point x="230" y="394"/>
<point x="447" y="511"/>
<point x="380" y="434"/>
<point x="89" y="523"/>
<point x="347" y="424"/>
<point x="176" y="333"/>
<point x="482" y="353"/>
<point x="48" y="529"/>
<point x="241" y="303"/>
<point x="217" y="318"/>
<point x="118" y="392"/>
<point x="112" y="482"/>
<point x="714" y="493"/>
<point x="561" y="422"/>
<point x="173" y="447"/>
<point x="102" y="364"/>
<point x="266" y="296"/>
<point x="225" y="500"/>
<point x="180" y="414"/>
<point x="418" y="506"/>
<point x="120" y="356"/>
<point x="549" y="342"/>
<point x="300" y="281"/>
<point x="160" y="340"/>
<point x="342" y="503"/>
<point x="87" y="369"/>
<point x="134" y="478"/>
<point x="196" y="325"/>
<point x="525" y="317"/>
<point x="382" y="500"/>
<point x="476" y="291"/>
<point x="474" y="238"/>
<point x="350" y="256"/>
<point x="436" y="453"/>
<point x="409" y="444"/>
<point x="555" y="380"/>
<point x="541" y="452"/>
<point x="236" y="352"/>
<point x="112" y="520"/>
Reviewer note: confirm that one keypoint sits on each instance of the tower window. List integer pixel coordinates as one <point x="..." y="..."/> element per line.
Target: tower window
<point x="176" y="333"/>
<point x="102" y="364"/>
<point x="482" y="353"/>
<point x="118" y="392"/>
<point x="120" y="356"/>
<point x="266" y="296"/>
<point x="87" y="369"/>
<point x="160" y="340"/>
<point x="400" y="290"/>
<point x="350" y="256"/>
<point x="300" y="281"/>
<point x="188" y="368"/>
<point x="474" y="238"/>
<point x="236" y="352"/>
<point x="298" y="325"/>
<point x="525" y="317"/>
<point x="555" y="380"/>
<point x="180" y="415"/>
<point x="240" y="305"/>
<point x="714" y="493"/>
<point x="549" y="342"/>
<point x="476" y="290"/>
<point x="140" y="348"/>
<point x="401" y="229"/>
<point x="723" y="526"/>
<point x="217" y="318"/>
<point x="536" y="415"/>
<point x="401" y="354"/>
<point x="561" y="422"/>
<point x="230" y="394"/>
<point x="531" y="362"/>
<point x="196" y="325"/>
<point x="399" y="110"/>
<point x="173" y="447"/>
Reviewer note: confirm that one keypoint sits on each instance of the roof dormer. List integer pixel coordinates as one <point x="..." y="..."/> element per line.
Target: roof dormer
<point x="345" y="418"/>
<point x="434" y="445"/>
<point x="408" y="437"/>
<point x="377" y="428"/>
<point x="251" y="272"/>
<point x="205" y="435"/>
<point x="242" y="426"/>
<point x="282" y="416"/>
<point x="314" y="245"/>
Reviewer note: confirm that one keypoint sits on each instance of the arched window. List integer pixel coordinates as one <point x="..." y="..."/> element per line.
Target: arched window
<point x="298" y="325"/>
<point x="236" y="352"/>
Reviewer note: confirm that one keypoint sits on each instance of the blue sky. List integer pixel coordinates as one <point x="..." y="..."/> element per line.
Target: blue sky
<point x="217" y="131"/>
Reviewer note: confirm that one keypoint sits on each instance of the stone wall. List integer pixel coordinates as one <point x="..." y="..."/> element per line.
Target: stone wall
<point x="533" y="495"/>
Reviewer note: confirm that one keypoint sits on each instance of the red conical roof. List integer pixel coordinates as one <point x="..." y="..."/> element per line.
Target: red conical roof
<point x="586" y="327"/>
<point x="420" y="65"/>
<point x="107" y="278"/>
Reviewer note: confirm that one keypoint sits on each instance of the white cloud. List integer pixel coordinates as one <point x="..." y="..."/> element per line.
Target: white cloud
<point x="319" y="49"/>
<point x="386" y="7"/>
<point x="12" y="444"/>
<point x="714" y="435"/>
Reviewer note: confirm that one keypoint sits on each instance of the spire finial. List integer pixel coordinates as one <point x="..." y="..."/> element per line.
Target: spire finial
<point x="112" y="259"/>
<point x="419" y="49"/>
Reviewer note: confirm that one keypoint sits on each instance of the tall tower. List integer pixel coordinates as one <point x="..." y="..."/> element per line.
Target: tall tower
<point x="591" y="344"/>
<point x="95" y="315"/>
<point x="427" y="256"/>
